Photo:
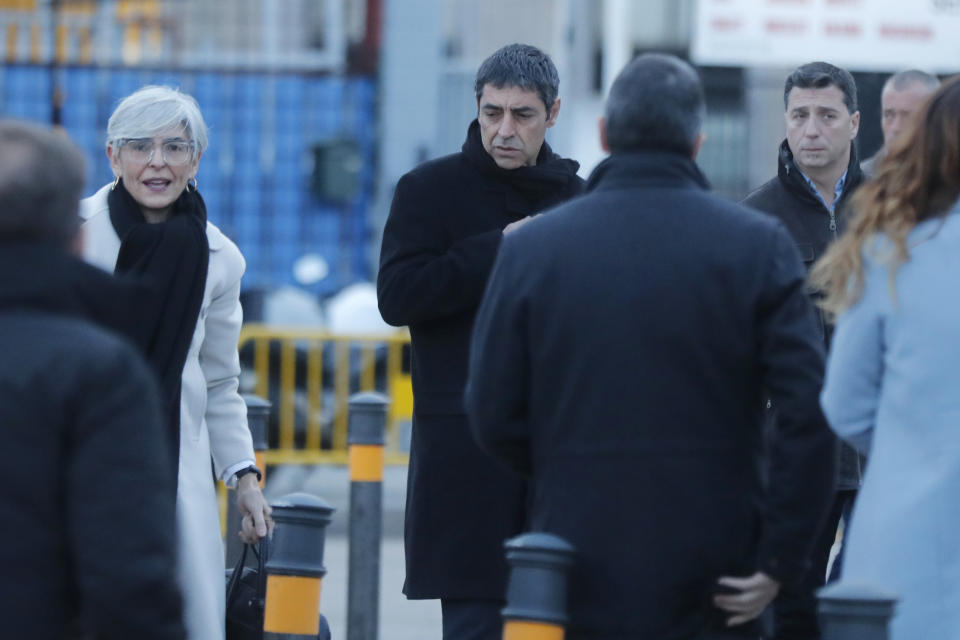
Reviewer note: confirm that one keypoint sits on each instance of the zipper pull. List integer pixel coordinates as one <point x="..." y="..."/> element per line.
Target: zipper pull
<point x="833" y="222"/>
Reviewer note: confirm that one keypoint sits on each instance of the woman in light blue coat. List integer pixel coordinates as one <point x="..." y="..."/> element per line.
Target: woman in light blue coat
<point x="893" y="376"/>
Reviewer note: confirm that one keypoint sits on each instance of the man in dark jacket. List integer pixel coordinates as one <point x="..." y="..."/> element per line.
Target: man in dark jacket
<point x="818" y="171"/>
<point x="619" y="358"/>
<point x="445" y="226"/>
<point x="88" y="504"/>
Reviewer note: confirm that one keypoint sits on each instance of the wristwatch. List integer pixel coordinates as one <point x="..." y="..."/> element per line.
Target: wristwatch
<point x="250" y="469"/>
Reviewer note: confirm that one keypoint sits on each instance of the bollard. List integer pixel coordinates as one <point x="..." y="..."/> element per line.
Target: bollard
<point x="295" y="567"/>
<point x="537" y="592"/>
<point x="854" y="612"/>
<point x="258" y="410"/>
<point x="368" y="419"/>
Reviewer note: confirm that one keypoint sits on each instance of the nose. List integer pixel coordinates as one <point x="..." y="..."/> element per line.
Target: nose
<point x="811" y="129"/>
<point x="507" y="126"/>
<point x="156" y="157"/>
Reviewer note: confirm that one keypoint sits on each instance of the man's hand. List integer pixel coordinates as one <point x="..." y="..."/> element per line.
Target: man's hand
<point x="516" y="224"/>
<point x="749" y="598"/>
<point x="256" y="522"/>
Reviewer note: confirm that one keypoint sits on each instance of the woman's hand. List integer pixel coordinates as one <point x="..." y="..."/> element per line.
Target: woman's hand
<point x="256" y="522"/>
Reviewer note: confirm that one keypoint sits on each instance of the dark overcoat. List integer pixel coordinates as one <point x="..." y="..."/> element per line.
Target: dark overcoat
<point x="439" y="243"/>
<point x="619" y="358"/>
<point x="89" y="501"/>
<point x="789" y="198"/>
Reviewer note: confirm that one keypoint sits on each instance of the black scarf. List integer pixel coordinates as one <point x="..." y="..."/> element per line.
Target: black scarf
<point x="171" y="258"/>
<point x="550" y="178"/>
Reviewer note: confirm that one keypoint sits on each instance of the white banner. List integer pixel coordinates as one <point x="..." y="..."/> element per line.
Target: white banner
<point x="859" y="35"/>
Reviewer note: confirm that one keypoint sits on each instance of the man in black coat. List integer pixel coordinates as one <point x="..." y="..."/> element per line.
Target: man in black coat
<point x="89" y="502"/>
<point x="818" y="171"/>
<point x="445" y="226"/>
<point x="619" y="359"/>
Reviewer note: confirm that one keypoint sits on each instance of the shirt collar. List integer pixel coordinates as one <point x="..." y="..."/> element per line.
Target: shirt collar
<point x="837" y="190"/>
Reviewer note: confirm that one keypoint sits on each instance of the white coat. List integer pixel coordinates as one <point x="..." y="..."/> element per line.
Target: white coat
<point x="212" y="416"/>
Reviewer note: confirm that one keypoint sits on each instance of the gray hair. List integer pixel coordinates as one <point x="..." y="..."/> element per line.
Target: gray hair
<point x="820" y="75"/>
<point x="655" y="103"/>
<point x="905" y="79"/>
<point x="154" y="109"/>
<point x="41" y="181"/>
<point x="520" y="65"/>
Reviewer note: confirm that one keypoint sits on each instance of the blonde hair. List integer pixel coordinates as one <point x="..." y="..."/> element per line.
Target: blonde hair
<point x="918" y="180"/>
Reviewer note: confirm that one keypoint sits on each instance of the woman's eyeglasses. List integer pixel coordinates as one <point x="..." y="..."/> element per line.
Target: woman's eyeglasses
<point x="174" y="152"/>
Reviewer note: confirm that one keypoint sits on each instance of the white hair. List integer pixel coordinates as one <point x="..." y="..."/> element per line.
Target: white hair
<point x="154" y="109"/>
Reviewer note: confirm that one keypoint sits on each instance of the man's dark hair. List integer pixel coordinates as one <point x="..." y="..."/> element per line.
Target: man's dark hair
<point x="656" y="103"/>
<point x="905" y="79"/>
<point x="41" y="181"/>
<point x="819" y="75"/>
<point x="520" y="65"/>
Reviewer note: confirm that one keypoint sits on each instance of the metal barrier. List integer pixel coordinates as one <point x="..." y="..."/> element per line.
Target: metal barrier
<point x="316" y="371"/>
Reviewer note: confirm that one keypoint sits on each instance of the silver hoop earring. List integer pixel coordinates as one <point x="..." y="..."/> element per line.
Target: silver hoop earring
<point x="115" y="183"/>
<point x="192" y="187"/>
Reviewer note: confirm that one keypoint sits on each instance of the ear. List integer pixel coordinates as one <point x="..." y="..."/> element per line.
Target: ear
<point x="554" y="112"/>
<point x="196" y="166"/>
<point x="854" y="124"/>
<point x="602" y="127"/>
<point x="113" y="155"/>
<point x="697" y="144"/>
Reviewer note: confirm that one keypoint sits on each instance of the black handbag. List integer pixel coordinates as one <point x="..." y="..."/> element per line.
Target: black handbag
<point x="246" y="597"/>
<point x="246" y="594"/>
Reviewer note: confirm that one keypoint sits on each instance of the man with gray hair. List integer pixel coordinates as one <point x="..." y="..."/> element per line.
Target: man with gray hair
<point x="619" y="359"/>
<point x="89" y="504"/>
<point x="903" y="94"/>
<point x="445" y="226"/>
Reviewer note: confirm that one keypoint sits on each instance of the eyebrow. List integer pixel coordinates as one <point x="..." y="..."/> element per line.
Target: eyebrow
<point x="497" y="107"/>
<point x="178" y="139"/>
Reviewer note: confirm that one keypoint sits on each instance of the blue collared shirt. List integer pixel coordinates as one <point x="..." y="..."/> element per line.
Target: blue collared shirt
<point x="837" y="190"/>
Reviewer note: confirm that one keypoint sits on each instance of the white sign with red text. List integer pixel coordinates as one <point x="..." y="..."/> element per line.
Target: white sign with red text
<point x="860" y="35"/>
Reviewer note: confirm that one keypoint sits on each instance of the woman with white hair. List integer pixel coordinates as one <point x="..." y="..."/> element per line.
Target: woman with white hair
<point x="151" y="223"/>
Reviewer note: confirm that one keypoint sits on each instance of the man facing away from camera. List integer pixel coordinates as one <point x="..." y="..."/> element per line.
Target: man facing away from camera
<point x="89" y="502"/>
<point x="447" y="221"/>
<point x="619" y="360"/>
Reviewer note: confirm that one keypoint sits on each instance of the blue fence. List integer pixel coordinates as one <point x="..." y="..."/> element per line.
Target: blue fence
<point x="256" y="175"/>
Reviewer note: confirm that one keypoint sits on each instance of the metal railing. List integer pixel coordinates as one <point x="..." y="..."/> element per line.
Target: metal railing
<point x="309" y="374"/>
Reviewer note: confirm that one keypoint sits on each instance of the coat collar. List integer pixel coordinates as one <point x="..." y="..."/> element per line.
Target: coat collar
<point x="792" y="180"/>
<point x="39" y="277"/>
<point x="646" y="168"/>
<point x="96" y="206"/>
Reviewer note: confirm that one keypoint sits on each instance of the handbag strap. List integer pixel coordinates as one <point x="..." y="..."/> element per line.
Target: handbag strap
<point x="263" y="545"/>
<point x="237" y="574"/>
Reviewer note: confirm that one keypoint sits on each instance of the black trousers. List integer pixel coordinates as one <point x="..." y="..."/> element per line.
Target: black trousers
<point x="795" y="608"/>
<point x="472" y="619"/>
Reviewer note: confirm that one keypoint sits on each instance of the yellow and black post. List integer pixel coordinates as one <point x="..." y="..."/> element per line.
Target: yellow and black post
<point x="368" y="419"/>
<point x="537" y="591"/>
<point x="258" y="410"/>
<point x="295" y="567"/>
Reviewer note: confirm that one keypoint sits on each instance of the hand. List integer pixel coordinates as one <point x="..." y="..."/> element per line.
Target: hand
<point x="516" y="224"/>
<point x="256" y="522"/>
<point x="753" y="595"/>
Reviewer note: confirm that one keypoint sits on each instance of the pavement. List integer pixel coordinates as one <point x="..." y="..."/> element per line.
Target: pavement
<point x="400" y="619"/>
